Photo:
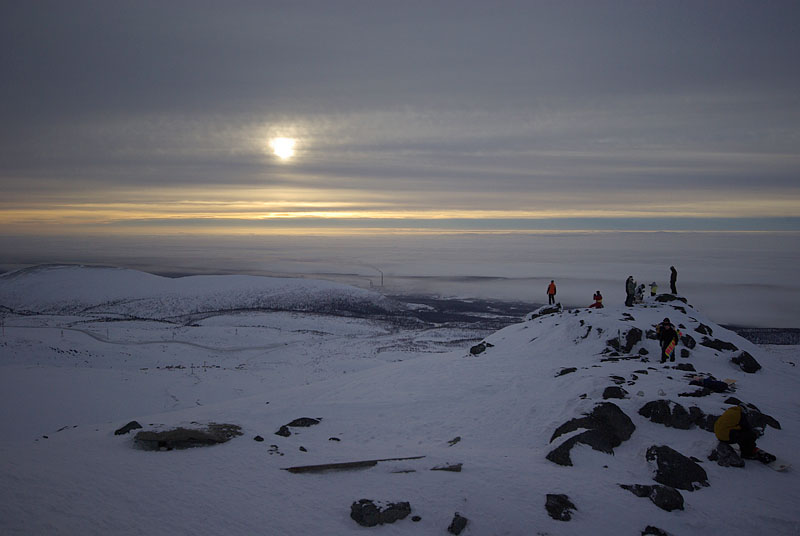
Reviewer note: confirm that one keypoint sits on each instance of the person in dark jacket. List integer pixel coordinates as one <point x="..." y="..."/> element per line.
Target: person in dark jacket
<point x="668" y="337"/>
<point x="673" y="277"/>
<point x="630" y="290"/>
<point x="732" y="427"/>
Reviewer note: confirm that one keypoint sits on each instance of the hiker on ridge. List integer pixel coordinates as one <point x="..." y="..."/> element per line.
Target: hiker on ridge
<point x="551" y="293"/>
<point x="673" y="277"/>
<point x="598" y="301"/>
<point x="630" y="290"/>
<point x="653" y="288"/>
<point x="668" y="337"/>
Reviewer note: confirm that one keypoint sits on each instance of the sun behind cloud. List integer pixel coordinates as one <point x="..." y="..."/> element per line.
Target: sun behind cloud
<point x="283" y="147"/>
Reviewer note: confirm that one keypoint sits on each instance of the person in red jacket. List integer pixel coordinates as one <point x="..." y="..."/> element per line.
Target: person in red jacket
<point x="551" y="293"/>
<point x="598" y="301"/>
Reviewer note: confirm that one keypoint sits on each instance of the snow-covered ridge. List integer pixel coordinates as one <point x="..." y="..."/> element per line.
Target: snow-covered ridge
<point x="70" y="289"/>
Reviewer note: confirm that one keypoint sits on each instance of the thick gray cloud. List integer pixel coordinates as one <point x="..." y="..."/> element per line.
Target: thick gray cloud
<point x="453" y="104"/>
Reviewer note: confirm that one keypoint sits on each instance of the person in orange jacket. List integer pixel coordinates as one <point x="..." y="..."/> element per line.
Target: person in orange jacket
<point x="551" y="293"/>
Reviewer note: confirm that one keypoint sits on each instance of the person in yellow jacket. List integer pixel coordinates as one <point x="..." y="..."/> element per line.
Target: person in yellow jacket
<point x="732" y="427"/>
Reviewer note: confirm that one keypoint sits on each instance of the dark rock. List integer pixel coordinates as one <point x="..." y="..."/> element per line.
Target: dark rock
<point x="718" y="345"/>
<point x="546" y="310"/>
<point x="651" y="335"/>
<point x="688" y="367"/>
<point x="453" y="468"/>
<point x="698" y="393"/>
<point x="614" y="392"/>
<point x="726" y="456"/>
<point x="367" y="514"/>
<point x="480" y="348"/>
<point x="567" y="370"/>
<point x="133" y="425"/>
<point x="676" y="470"/>
<point x="643" y="351"/>
<point x="666" y="298"/>
<point x="733" y="401"/>
<point x="559" y="506"/>
<point x="334" y="439"/>
<point x="283" y="431"/>
<point x="685" y="353"/>
<point x="303" y="422"/>
<point x="607" y="427"/>
<point x="746" y="362"/>
<point x="679" y="308"/>
<point x="458" y="524"/>
<point x="631" y="337"/>
<point x="258" y="438"/>
<point x="454" y="441"/>
<point x="688" y="341"/>
<point x="702" y="329"/>
<point x="416" y="519"/>
<point x="642" y="371"/>
<point x="758" y="419"/>
<point x="619" y="380"/>
<point x="303" y="449"/>
<point x="184" y="438"/>
<point x="650" y="530"/>
<point x="664" y="497"/>
<point x="668" y="413"/>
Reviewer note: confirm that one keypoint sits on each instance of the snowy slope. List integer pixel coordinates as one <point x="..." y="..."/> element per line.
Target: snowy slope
<point x="69" y="289"/>
<point x="270" y="368"/>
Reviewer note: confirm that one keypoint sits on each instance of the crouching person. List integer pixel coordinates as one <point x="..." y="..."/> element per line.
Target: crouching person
<point x="732" y="427"/>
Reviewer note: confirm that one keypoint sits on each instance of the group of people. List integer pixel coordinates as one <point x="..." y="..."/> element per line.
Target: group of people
<point x="633" y="293"/>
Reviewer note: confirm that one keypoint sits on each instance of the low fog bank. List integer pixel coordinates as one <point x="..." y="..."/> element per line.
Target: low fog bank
<point x="737" y="278"/>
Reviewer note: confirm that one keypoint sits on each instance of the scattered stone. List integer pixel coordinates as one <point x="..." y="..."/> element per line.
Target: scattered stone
<point x="619" y="380"/>
<point x="643" y="351"/>
<point x="303" y="449"/>
<point x="559" y="506"/>
<point x="273" y="449"/>
<point x="614" y="392"/>
<point x="679" y="308"/>
<point x="632" y="337"/>
<point x="283" y="431"/>
<point x="650" y="530"/>
<point x="367" y="514"/>
<point x="480" y="348"/>
<point x="666" y="298"/>
<point x="641" y="371"/>
<point x="416" y="519"/>
<point x="454" y="441"/>
<point x="676" y="470"/>
<point x="334" y="439"/>
<point x="453" y="468"/>
<point x="716" y="344"/>
<point x="726" y="456"/>
<point x="567" y="370"/>
<point x="746" y="362"/>
<point x="133" y="425"/>
<point x="545" y="310"/>
<point x="704" y="330"/>
<point x="303" y="422"/>
<point x="688" y="341"/>
<point x="184" y="438"/>
<point x="258" y="438"/>
<point x="698" y="393"/>
<point x="458" y="524"/>
<point x="685" y="353"/>
<point x="651" y="335"/>
<point x="665" y="497"/>
<point x="687" y="367"/>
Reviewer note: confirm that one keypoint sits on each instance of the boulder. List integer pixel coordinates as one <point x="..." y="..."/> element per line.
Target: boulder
<point x="650" y="530"/>
<point x="544" y="310"/>
<point x="688" y="341"/>
<point x="184" y="438"/>
<point x="666" y="298"/>
<point x="606" y="426"/>
<point x="726" y="456"/>
<point x="367" y="514"/>
<point x="676" y="470"/>
<point x="702" y="329"/>
<point x="716" y="344"/>
<point x="133" y="425"/>
<point x="664" y="497"/>
<point x="668" y="413"/>
<point x="302" y="422"/>
<point x="566" y="370"/>
<point x="614" y="392"/>
<point x="685" y="353"/>
<point x="559" y="506"/>
<point x="458" y="524"/>
<point x="480" y="348"/>
<point x="631" y="338"/>
<point x="746" y="362"/>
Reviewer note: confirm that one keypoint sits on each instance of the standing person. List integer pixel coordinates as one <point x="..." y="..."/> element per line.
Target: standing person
<point x="630" y="290"/>
<point x="653" y="288"/>
<point x="551" y="293"/>
<point x="668" y="337"/>
<point x="673" y="277"/>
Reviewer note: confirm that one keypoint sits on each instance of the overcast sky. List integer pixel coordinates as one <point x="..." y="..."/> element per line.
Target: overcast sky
<point x="120" y="115"/>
